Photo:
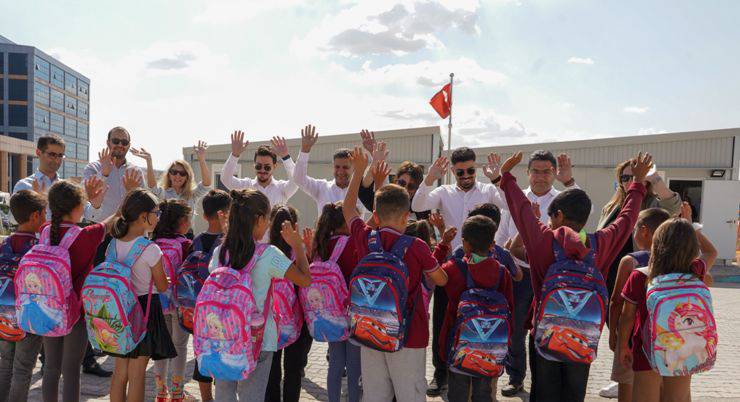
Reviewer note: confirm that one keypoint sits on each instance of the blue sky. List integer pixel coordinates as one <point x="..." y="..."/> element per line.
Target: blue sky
<point x="526" y="71"/>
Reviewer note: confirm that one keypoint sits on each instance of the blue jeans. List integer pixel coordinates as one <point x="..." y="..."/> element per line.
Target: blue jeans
<point x="343" y="354"/>
<point x="516" y="364"/>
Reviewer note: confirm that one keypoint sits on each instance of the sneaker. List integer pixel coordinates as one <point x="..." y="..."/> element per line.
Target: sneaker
<point x="96" y="370"/>
<point x="436" y="388"/>
<point x="511" y="389"/>
<point x="610" y="391"/>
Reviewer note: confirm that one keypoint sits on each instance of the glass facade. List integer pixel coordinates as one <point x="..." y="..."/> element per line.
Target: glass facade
<point x="82" y="131"/>
<point x="57" y="76"/>
<point x="41" y="94"/>
<point x="41" y="119"/>
<point x="82" y="110"/>
<point x="18" y="115"/>
<point x="70" y="127"/>
<point x="42" y="69"/>
<point x="70" y="150"/>
<point x="57" y="100"/>
<point x="57" y="123"/>
<point x="18" y="63"/>
<point x="70" y="83"/>
<point x="83" y="90"/>
<point x="17" y="90"/>
<point x="70" y="105"/>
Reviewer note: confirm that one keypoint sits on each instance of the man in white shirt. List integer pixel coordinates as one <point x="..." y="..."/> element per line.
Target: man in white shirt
<point x="321" y="190"/>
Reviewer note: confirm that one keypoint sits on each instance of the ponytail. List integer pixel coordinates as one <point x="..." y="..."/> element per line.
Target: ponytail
<point x="64" y="196"/>
<point x="279" y="214"/>
<point x="330" y="220"/>
<point x="137" y="202"/>
<point x="246" y="207"/>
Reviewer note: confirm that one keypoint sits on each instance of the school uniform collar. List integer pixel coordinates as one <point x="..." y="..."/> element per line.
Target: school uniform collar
<point x="390" y="230"/>
<point x="552" y="193"/>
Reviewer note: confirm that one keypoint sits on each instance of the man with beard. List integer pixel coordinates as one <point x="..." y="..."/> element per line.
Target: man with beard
<point x="321" y="190"/>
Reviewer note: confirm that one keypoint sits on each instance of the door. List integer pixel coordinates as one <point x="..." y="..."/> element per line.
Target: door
<point x="720" y="206"/>
<point x="690" y="191"/>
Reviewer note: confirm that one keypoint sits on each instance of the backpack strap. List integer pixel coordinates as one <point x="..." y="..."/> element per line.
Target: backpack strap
<point x="401" y="245"/>
<point x="6" y="248"/>
<point x="339" y="248"/>
<point x="462" y="265"/>
<point x="136" y="250"/>
<point x="560" y="255"/>
<point x="197" y="244"/>
<point x="374" y="243"/>
<point x="259" y="248"/>
<point x="590" y="258"/>
<point x="70" y="236"/>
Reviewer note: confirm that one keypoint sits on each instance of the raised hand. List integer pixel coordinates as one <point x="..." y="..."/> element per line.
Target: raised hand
<point x="686" y="211"/>
<point x="536" y="210"/>
<point x="39" y="186"/>
<point x="359" y="160"/>
<point x="308" y="238"/>
<point x="368" y="140"/>
<point x="437" y="170"/>
<point x="565" y="169"/>
<point x="95" y="190"/>
<point x="132" y="180"/>
<point x="238" y="143"/>
<point x="640" y="166"/>
<point x="380" y="151"/>
<point x="106" y="162"/>
<point x="511" y="162"/>
<point x="449" y="235"/>
<point x="492" y="170"/>
<point x="291" y="236"/>
<point x="141" y="153"/>
<point x="380" y="171"/>
<point x="309" y="136"/>
<point x="438" y="221"/>
<point x="200" y="150"/>
<point x="280" y="147"/>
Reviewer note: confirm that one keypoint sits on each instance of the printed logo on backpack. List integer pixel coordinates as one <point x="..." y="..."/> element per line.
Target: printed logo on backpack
<point x="571" y="312"/>
<point x="326" y="300"/>
<point x="46" y="303"/>
<point x="479" y="339"/>
<point x="379" y="312"/>
<point x="171" y="261"/>
<point x="115" y="320"/>
<point x="190" y="279"/>
<point x="9" y="260"/>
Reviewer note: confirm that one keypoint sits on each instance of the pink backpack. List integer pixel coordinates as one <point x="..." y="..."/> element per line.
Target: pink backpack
<point x="46" y="303"/>
<point x="286" y="311"/>
<point x="228" y="326"/>
<point x="171" y="261"/>
<point x="326" y="300"/>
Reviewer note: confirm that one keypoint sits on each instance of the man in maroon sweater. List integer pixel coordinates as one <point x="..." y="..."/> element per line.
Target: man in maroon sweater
<point x="568" y="212"/>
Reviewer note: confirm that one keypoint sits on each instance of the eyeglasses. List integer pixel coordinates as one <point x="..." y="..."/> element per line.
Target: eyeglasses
<point x="265" y="167"/>
<point x="461" y="172"/>
<point x="407" y="185"/>
<point x="180" y="173"/>
<point x="55" y="155"/>
<point x="156" y="213"/>
<point x="118" y="141"/>
<point x="626" y="178"/>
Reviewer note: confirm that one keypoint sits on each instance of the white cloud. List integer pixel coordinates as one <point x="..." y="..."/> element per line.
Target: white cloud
<point x="234" y="11"/>
<point x="178" y="62"/>
<point x="636" y="109"/>
<point x="581" y="60"/>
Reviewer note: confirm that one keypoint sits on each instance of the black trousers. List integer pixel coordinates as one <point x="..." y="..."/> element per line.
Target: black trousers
<point x="460" y="386"/>
<point x="296" y="358"/>
<point x="516" y="364"/>
<point x="556" y="381"/>
<point x="438" y="316"/>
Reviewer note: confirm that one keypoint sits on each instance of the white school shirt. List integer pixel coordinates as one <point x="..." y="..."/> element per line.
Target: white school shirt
<point x="141" y="272"/>
<point x="278" y="191"/>
<point x="321" y="190"/>
<point x="454" y="203"/>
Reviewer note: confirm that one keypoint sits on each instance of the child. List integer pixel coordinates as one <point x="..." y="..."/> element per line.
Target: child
<point x="402" y="372"/>
<point x="18" y="358"/>
<point x="676" y="245"/>
<point x="139" y="215"/>
<point x="296" y="354"/>
<point x="568" y="213"/>
<point x="477" y="237"/>
<point x="173" y="225"/>
<point x="215" y="203"/>
<point x="249" y="220"/>
<point x="647" y="222"/>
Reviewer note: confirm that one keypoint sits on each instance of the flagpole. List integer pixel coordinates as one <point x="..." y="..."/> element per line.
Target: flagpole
<point x="449" y="129"/>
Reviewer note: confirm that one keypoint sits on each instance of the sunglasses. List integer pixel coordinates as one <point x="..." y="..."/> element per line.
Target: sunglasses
<point x="626" y="178"/>
<point x="117" y="141"/>
<point x="265" y="167"/>
<point x="407" y="185"/>
<point x="55" y="155"/>
<point x="461" y="172"/>
<point x="180" y="173"/>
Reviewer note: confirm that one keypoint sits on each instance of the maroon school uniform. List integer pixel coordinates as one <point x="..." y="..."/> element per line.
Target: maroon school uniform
<point x="418" y="259"/>
<point x="20" y="241"/>
<point x="348" y="259"/>
<point x="82" y="251"/>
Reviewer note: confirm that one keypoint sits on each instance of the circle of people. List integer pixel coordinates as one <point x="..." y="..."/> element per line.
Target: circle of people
<point x="114" y="262"/>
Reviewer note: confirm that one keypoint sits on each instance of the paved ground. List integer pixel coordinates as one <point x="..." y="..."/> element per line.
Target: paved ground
<point x="721" y="384"/>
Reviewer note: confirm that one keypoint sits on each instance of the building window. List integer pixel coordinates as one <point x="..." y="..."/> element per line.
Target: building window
<point x="57" y="123"/>
<point x="18" y="90"/>
<point x="57" y="100"/>
<point x="70" y="105"/>
<point x="2" y="62"/>
<point x="57" y="76"/>
<point x="70" y="83"/>
<point x="41" y="118"/>
<point x="41" y="69"/>
<point x="2" y="90"/>
<point x="70" y="127"/>
<point x="70" y="150"/>
<point x="17" y="63"/>
<point x="20" y="136"/>
<point x="82" y="110"/>
<point x="82" y="150"/>
<point x="41" y="94"/>
<point x="82" y="131"/>
<point x="83" y="90"/>
<point x="18" y="115"/>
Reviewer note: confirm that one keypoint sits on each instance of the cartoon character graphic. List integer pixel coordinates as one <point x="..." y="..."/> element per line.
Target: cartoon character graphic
<point x="220" y="361"/>
<point x="36" y="314"/>
<point x="477" y="361"/>
<point x="375" y="332"/>
<point x="688" y="336"/>
<point x="325" y="326"/>
<point x="567" y="342"/>
<point x="215" y="327"/>
<point x="104" y="335"/>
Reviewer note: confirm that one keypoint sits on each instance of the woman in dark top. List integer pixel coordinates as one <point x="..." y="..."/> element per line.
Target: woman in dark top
<point x="409" y="175"/>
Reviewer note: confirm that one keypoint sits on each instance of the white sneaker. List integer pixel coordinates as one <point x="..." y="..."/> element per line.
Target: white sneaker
<point x="610" y="391"/>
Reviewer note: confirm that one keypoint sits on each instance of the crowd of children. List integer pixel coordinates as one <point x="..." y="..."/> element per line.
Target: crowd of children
<point x="363" y="286"/>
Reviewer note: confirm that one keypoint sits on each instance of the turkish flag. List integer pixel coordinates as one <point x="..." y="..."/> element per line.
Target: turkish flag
<point x="442" y="101"/>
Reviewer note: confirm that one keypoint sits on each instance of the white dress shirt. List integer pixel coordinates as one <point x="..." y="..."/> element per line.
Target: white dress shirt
<point x="454" y="203"/>
<point x="116" y="192"/>
<point x="46" y="182"/>
<point x="322" y="191"/>
<point x="277" y="191"/>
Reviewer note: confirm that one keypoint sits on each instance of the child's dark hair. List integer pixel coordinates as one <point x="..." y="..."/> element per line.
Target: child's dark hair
<point x="26" y="202"/>
<point x="575" y="206"/>
<point x="64" y="196"/>
<point x="487" y="209"/>
<point x="279" y="214"/>
<point x="462" y="154"/>
<point x="246" y="207"/>
<point x="331" y="219"/>
<point x="391" y="201"/>
<point x="652" y="218"/>
<point x="172" y="214"/>
<point x="478" y="232"/>
<point x="137" y="202"/>
<point x="216" y="200"/>
<point x="421" y="229"/>
<point x="674" y="248"/>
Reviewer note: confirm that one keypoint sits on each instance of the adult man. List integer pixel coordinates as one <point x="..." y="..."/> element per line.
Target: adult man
<point x="50" y="151"/>
<point x="543" y="169"/>
<point x="323" y="191"/>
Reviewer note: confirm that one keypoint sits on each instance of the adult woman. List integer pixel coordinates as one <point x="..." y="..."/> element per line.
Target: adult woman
<point x="409" y="175"/>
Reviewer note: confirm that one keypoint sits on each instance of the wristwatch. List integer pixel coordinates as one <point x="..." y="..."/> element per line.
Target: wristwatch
<point x="570" y="182"/>
<point x="286" y="157"/>
<point x="496" y="180"/>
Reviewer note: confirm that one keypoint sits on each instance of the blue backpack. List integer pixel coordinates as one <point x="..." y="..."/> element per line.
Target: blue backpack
<point x="379" y="290"/>
<point x="479" y="339"/>
<point x="642" y="257"/>
<point x="571" y="311"/>
<point x="190" y="278"/>
<point x="9" y="260"/>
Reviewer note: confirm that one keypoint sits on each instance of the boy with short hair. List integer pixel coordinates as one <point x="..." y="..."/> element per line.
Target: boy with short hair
<point x="17" y="359"/>
<point x="568" y="212"/>
<point x="477" y="238"/>
<point x="400" y="373"/>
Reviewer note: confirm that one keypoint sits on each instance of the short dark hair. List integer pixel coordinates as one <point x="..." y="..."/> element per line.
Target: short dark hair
<point x="574" y="204"/>
<point x="264" y="150"/>
<point x="52" y="139"/>
<point x="652" y="218"/>
<point x="391" y="201"/>
<point x="341" y="153"/>
<point x="478" y="232"/>
<point x="214" y="201"/>
<point x="26" y="202"/>
<point x="414" y="170"/>
<point x="118" y="129"/>
<point x="487" y="209"/>
<point x="462" y="154"/>
<point x="541" y="155"/>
